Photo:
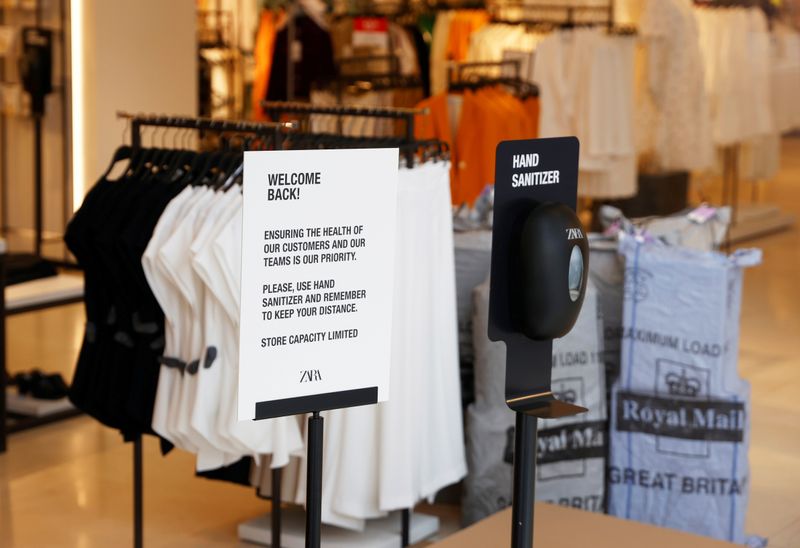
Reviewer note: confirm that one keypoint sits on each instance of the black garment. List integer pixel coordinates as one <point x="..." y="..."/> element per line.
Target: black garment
<point x="238" y="472"/>
<point x="423" y="58"/>
<point x="116" y="376"/>
<point x="315" y="66"/>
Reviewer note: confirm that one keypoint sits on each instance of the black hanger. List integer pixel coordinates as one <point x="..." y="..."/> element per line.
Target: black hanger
<point x="125" y="152"/>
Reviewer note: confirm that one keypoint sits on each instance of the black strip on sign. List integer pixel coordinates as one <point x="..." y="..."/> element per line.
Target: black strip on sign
<point x="708" y="420"/>
<point x="317" y="402"/>
<point x="580" y="440"/>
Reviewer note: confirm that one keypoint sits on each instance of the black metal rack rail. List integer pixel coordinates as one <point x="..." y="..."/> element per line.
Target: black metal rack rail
<point x="276" y="109"/>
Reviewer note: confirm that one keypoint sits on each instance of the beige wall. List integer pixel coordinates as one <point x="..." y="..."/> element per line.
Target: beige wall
<point x="139" y="57"/>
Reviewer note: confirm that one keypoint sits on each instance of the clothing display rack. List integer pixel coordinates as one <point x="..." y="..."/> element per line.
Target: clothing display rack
<point x="455" y="71"/>
<point x="276" y="109"/>
<point x="457" y="80"/>
<point x="374" y="8"/>
<point x="409" y="145"/>
<point x="753" y="220"/>
<point x="532" y="13"/>
<point x="401" y="8"/>
<point x="137" y="122"/>
<point x="367" y="80"/>
<point x="392" y="60"/>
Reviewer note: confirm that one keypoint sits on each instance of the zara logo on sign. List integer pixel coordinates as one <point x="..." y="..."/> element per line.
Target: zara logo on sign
<point x="310" y="375"/>
<point x="574" y="234"/>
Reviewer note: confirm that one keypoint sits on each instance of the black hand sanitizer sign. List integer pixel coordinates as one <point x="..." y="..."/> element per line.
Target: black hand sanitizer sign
<point x="539" y="265"/>
<point x="540" y="261"/>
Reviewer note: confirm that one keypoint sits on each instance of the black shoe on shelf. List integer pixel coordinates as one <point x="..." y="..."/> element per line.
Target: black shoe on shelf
<point x="40" y="385"/>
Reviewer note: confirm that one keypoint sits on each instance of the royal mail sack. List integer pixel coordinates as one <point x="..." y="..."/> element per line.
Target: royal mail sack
<point x="571" y="452"/>
<point x="680" y="428"/>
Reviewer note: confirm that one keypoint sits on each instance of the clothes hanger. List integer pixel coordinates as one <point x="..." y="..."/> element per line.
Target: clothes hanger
<point x="180" y="163"/>
<point x="231" y="179"/>
<point x="124" y="152"/>
<point x="141" y="156"/>
<point x="207" y="172"/>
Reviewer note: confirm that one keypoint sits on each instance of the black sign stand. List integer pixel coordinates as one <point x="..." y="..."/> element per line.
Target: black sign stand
<point x="541" y="176"/>
<point x="315" y="404"/>
<point x="524" y="480"/>
<point x="314" y="481"/>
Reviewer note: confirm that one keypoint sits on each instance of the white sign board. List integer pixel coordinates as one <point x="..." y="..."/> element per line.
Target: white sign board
<point x="317" y="279"/>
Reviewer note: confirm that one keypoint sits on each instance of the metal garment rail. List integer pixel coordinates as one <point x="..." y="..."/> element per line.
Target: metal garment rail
<point x="569" y="10"/>
<point x="137" y="122"/>
<point x="276" y="108"/>
<point x="204" y="124"/>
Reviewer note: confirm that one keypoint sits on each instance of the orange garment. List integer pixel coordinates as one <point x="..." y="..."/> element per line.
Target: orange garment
<point x="436" y="125"/>
<point x="262" y="55"/>
<point x="531" y="105"/>
<point x="476" y="133"/>
<point x="461" y="28"/>
<point x="488" y="116"/>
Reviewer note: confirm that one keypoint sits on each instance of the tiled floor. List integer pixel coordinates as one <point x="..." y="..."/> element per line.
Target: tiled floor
<point x="69" y="485"/>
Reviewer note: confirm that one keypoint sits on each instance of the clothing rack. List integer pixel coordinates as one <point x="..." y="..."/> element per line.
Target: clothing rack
<point x="400" y="8"/>
<point x="392" y="60"/>
<point x="530" y="13"/>
<point x="276" y="109"/>
<point x="457" y="81"/>
<point x="137" y="122"/>
<point x="372" y="80"/>
<point x="455" y="71"/>
<point x="372" y="8"/>
<point x="756" y="220"/>
<point x="771" y="11"/>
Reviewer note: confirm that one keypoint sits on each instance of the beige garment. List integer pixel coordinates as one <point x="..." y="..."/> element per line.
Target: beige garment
<point x="628" y="12"/>
<point x="438" y="59"/>
<point x="586" y="84"/>
<point x="352" y="125"/>
<point x="673" y="113"/>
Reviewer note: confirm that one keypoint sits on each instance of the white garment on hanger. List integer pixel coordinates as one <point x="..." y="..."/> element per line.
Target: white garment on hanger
<point x="168" y="299"/>
<point x="422" y="448"/>
<point x="216" y="358"/>
<point x="279" y="436"/>
<point x="392" y="455"/>
<point x="585" y="78"/>
<point x="175" y="258"/>
<point x="673" y="116"/>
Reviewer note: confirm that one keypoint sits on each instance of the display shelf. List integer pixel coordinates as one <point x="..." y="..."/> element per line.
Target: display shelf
<point x="29" y="406"/>
<point x="52" y="291"/>
<point x="759" y="220"/>
<point x="378" y="533"/>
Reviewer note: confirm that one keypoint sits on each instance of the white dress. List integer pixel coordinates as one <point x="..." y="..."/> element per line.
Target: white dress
<point x="672" y="106"/>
